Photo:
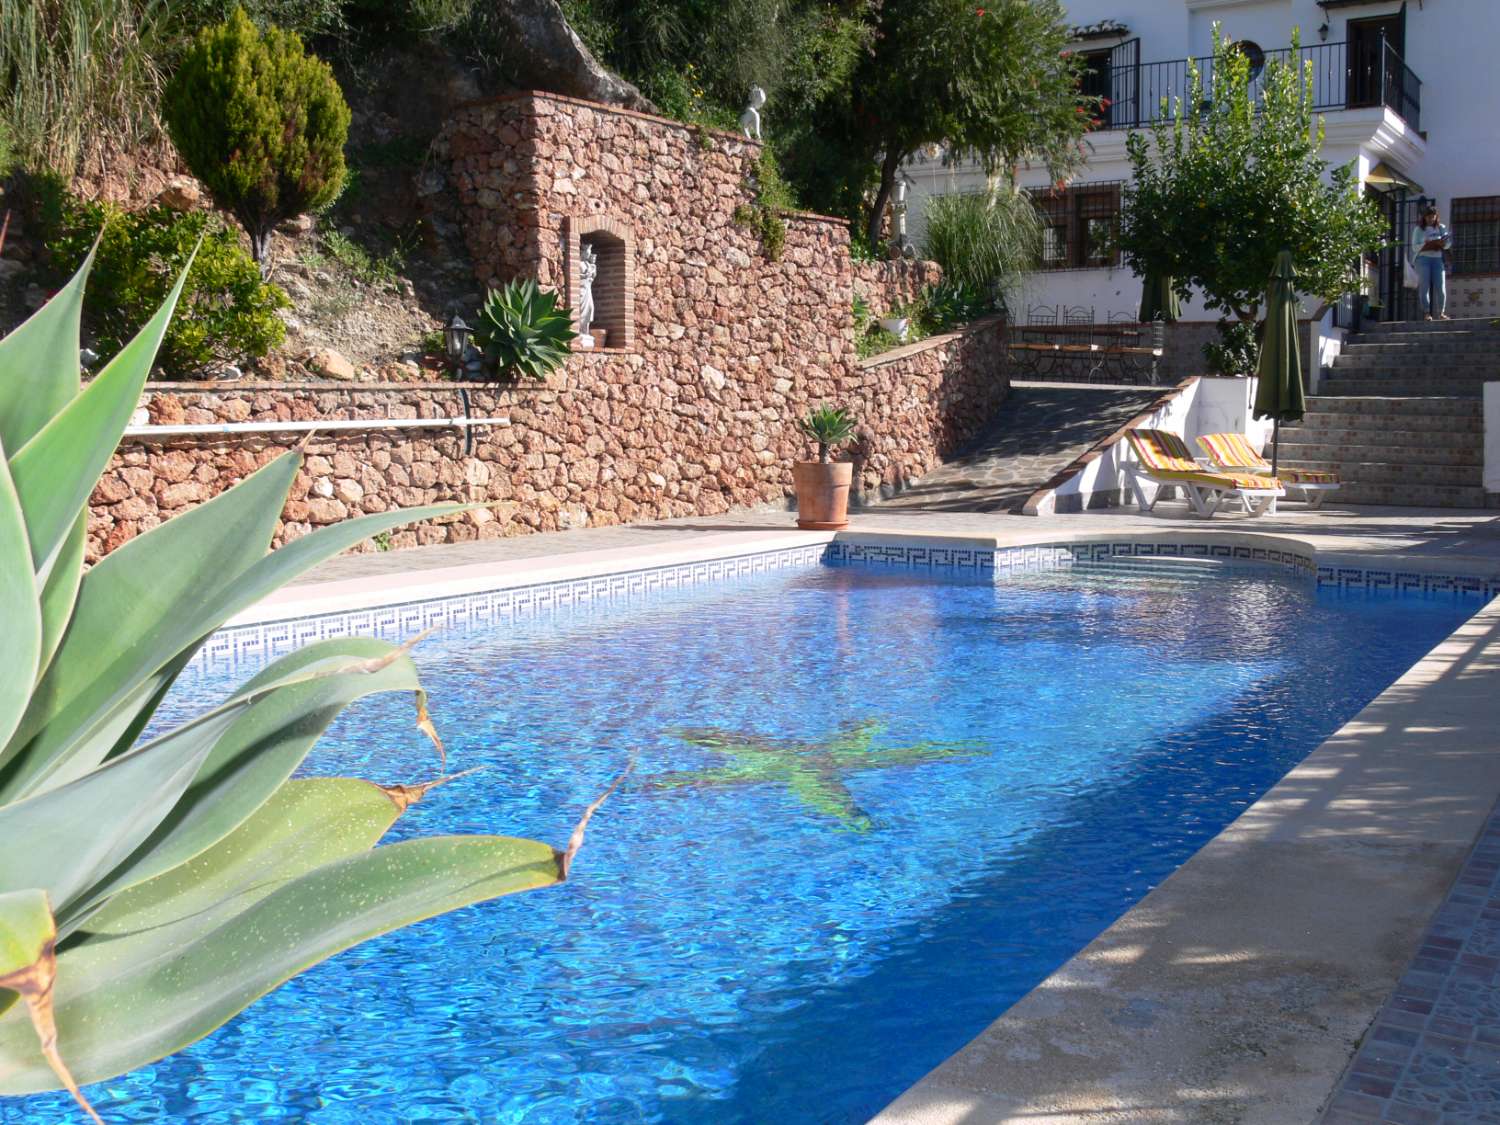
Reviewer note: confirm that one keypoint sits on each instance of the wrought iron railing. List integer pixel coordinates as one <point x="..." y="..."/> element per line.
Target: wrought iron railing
<point x="1344" y="76"/>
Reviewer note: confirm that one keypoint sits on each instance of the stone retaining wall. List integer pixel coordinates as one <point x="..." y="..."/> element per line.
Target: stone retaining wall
<point x="884" y="285"/>
<point x="714" y="348"/>
<point x="597" y="445"/>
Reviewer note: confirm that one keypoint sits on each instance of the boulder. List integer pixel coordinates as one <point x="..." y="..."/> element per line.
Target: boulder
<point x="332" y="365"/>
<point x="182" y="193"/>
<point x="539" y="51"/>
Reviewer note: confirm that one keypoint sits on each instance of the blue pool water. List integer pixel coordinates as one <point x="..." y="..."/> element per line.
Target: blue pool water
<point x="959" y="784"/>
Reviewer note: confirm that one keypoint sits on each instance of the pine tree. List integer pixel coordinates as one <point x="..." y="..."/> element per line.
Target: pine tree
<point x="260" y="122"/>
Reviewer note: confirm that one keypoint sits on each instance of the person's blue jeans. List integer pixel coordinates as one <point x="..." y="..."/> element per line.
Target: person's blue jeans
<point x="1432" y="285"/>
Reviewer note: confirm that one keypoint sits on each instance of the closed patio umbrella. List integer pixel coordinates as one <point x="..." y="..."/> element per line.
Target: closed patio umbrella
<point x="1158" y="299"/>
<point x="1279" y="368"/>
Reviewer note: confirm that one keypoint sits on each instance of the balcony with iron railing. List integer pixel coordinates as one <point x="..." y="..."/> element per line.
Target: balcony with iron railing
<point x="1344" y="76"/>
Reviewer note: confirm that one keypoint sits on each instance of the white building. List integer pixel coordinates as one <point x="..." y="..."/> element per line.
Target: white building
<point x="1410" y="91"/>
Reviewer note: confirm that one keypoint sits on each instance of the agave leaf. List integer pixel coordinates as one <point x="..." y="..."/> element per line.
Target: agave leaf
<point x="59" y="591"/>
<point x="160" y="601"/>
<point x="19" y="609"/>
<point x="116" y="735"/>
<point x="259" y="751"/>
<point x="76" y="833"/>
<point x="306" y="823"/>
<point x="138" y="609"/>
<point x="41" y="361"/>
<point x="28" y="968"/>
<point x="57" y="468"/>
<point x="124" y="1002"/>
<point x="82" y="833"/>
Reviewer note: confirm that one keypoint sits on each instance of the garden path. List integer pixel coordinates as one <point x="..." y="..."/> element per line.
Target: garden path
<point x="1041" y="428"/>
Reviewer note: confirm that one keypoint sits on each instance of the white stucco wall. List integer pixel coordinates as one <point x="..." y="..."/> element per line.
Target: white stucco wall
<point x="1207" y="406"/>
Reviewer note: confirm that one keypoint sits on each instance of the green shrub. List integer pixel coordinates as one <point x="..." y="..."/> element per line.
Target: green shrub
<point x="228" y="311"/>
<point x="1235" y="351"/>
<point x="371" y="269"/>
<point x="949" y="304"/>
<point x="772" y="197"/>
<point x="260" y="122"/>
<point x="986" y="241"/>
<point x="153" y="888"/>
<point x="524" y="330"/>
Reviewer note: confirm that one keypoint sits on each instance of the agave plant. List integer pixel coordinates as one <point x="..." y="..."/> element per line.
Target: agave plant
<point x="524" y="330"/>
<point x="151" y="890"/>
<point x="828" y="426"/>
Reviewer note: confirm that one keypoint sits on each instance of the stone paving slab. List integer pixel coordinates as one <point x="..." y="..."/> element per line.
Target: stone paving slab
<point x="1432" y="1056"/>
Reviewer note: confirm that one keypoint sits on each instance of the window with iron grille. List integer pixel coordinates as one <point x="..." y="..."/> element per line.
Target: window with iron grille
<point x="1080" y="226"/>
<point x="1476" y="234"/>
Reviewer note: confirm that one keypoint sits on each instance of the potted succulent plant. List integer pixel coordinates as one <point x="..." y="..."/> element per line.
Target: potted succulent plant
<point x="823" y="485"/>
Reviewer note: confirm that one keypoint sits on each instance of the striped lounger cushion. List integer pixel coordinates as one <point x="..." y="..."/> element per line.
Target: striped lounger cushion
<point x="1167" y="456"/>
<point x="1234" y="451"/>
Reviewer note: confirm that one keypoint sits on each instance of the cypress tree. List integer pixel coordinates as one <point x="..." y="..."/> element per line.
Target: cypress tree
<point x="260" y="122"/>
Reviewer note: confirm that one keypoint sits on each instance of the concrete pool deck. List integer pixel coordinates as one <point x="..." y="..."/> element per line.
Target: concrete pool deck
<point x="1239" y="989"/>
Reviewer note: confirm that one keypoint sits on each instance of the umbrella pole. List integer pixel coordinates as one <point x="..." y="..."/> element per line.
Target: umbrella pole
<point x="1275" y="442"/>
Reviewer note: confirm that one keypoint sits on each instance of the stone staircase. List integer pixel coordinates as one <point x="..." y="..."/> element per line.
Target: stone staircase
<point x="1401" y="417"/>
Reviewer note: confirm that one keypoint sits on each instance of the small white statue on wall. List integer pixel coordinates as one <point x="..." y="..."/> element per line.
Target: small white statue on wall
<point x="588" y="269"/>
<point x="750" y="119"/>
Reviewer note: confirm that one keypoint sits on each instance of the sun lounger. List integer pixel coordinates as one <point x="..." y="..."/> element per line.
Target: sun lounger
<point x="1233" y="453"/>
<point x="1163" y="459"/>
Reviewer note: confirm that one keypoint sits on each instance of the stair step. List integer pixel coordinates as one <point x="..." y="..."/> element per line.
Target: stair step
<point x="1458" y="324"/>
<point x="1415" y="411"/>
<point x="1419" y="496"/>
<point x="1467" y="440"/>
<point x="1310" y="449"/>
<point x="1389" y="472"/>
<point x="1459" y="364"/>
<point x="1391" y="387"/>
<point x="1410" y="428"/>
<point x="1418" y="345"/>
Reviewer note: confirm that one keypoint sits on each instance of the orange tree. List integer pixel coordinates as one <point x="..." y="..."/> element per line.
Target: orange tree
<point x="1230" y="176"/>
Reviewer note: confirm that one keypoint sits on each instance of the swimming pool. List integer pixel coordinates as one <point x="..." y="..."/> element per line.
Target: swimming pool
<point x="872" y="807"/>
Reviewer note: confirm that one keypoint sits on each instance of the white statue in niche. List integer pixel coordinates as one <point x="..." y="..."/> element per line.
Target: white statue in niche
<point x="750" y="119"/>
<point x="588" y="269"/>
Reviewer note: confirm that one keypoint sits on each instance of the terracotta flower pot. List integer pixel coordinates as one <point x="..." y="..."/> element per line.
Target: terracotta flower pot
<point x="822" y="494"/>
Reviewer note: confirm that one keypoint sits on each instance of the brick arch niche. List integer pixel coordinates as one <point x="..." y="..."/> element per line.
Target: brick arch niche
<point x="614" y="287"/>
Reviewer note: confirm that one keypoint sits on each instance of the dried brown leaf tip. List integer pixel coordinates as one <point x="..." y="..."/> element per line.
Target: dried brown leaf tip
<point x="405" y="796"/>
<point x="575" y="841"/>
<point x="34" y="985"/>
<point x="424" y="724"/>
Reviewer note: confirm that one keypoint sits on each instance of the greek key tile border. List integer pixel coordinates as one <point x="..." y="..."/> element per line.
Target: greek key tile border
<point x="404" y="620"/>
<point x="401" y="621"/>
<point x="1019" y="560"/>
<point x="1407" y="581"/>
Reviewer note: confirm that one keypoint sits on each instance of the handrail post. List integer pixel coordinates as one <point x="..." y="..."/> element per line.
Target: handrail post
<point x="1384" y="47"/>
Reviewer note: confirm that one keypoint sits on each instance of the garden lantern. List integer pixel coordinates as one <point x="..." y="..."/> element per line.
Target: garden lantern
<point x="456" y="338"/>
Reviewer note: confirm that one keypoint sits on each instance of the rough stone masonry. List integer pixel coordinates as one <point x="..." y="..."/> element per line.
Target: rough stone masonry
<point x="714" y="350"/>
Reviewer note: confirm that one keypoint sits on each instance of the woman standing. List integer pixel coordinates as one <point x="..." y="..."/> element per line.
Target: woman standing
<point x="1430" y="238"/>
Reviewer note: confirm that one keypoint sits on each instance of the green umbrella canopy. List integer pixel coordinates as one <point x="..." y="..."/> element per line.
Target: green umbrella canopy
<point x="1279" y="368"/>
<point x="1158" y="298"/>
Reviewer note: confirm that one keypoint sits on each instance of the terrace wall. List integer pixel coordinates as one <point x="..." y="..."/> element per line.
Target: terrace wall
<point x="714" y="350"/>
<point x="604" y="442"/>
